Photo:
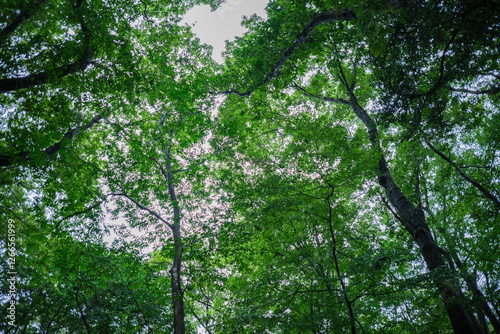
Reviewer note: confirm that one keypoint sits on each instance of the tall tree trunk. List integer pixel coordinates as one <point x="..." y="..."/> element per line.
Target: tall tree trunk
<point x="177" y="294"/>
<point x="413" y="219"/>
<point x="175" y="272"/>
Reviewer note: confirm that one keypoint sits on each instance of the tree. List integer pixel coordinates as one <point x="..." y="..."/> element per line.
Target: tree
<point x="71" y="281"/>
<point x="331" y="61"/>
<point x="348" y="181"/>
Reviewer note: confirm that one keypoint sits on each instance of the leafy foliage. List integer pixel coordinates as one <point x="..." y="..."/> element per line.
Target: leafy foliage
<point x="338" y="173"/>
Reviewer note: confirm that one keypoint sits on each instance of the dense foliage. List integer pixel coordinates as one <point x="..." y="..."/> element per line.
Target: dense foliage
<point x="338" y="173"/>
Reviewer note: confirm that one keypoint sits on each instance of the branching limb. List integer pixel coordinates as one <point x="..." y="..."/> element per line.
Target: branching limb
<point x="81" y="212"/>
<point x="441" y="68"/>
<point x="473" y="182"/>
<point x="198" y="163"/>
<point x="142" y="207"/>
<point x="324" y="98"/>
<point x="391" y="210"/>
<point x="26" y="14"/>
<point x="448" y="257"/>
<point x="9" y="160"/>
<point x="85" y="59"/>
<point x="341" y="14"/>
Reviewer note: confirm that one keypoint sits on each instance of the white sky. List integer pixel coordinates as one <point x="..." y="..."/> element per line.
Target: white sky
<point x="215" y="28"/>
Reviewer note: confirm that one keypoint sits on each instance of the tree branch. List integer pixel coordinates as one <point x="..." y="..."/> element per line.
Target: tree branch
<point x="490" y="91"/>
<point x="341" y="14"/>
<point x="142" y="207"/>
<point x="13" y="84"/>
<point x="464" y="176"/>
<point x="9" y="160"/>
<point x="26" y="14"/>
<point x="441" y="68"/>
<point x="391" y="210"/>
<point x="324" y="98"/>
<point x="80" y="309"/>
<point x="80" y="212"/>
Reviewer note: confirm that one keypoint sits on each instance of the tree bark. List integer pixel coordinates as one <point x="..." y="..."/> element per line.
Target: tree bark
<point x="177" y="294"/>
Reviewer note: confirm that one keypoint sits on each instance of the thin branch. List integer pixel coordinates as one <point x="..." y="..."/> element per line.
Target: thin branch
<point x="473" y="182"/>
<point x="199" y="163"/>
<point x="7" y="160"/>
<point x="391" y="210"/>
<point x="145" y="11"/>
<point x="490" y="91"/>
<point x="81" y="212"/>
<point x="448" y="257"/>
<point x="199" y="320"/>
<point x="142" y="207"/>
<point x="87" y="326"/>
<point x="441" y="69"/>
<point x="324" y="98"/>
<point x="16" y="215"/>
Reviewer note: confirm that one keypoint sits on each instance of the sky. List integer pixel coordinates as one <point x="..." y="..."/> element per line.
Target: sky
<point x="215" y="28"/>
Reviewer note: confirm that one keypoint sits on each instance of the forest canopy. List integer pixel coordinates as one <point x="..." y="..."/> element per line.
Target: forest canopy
<point x="338" y="173"/>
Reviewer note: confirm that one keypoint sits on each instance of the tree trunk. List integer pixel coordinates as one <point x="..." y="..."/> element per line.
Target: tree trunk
<point x="413" y="219"/>
<point x="177" y="294"/>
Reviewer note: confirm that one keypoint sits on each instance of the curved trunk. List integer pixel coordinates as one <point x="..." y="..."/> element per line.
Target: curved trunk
<point x="413" y="219"/>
